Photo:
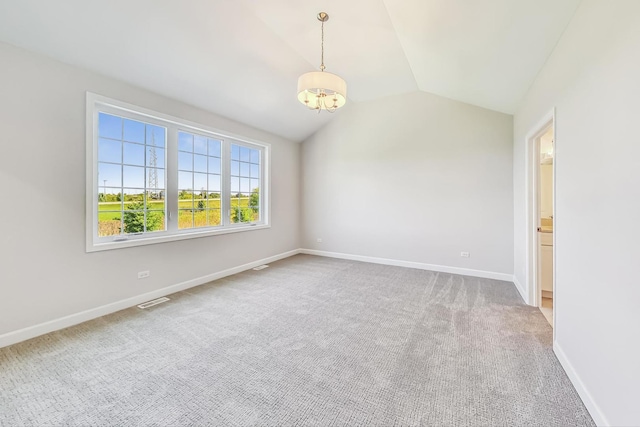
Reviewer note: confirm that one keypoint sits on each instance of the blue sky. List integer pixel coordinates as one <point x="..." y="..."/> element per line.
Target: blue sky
<point x="125" y="150"/>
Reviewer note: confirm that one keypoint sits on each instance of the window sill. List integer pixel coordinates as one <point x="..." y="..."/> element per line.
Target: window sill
<point x="152" y="240"/>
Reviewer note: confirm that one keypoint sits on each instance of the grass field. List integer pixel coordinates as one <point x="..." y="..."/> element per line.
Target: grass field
<point x="191" y="213"/>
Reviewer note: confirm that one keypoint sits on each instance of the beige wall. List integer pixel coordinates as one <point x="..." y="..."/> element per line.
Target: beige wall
<point x="45" y="271"/>
<point x="591" y="80"/>
<point x="415" y="178"/>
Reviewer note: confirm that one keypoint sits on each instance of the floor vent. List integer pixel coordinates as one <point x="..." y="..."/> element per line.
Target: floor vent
<point x="153" y="302"/>
<point x="261" y="267"/>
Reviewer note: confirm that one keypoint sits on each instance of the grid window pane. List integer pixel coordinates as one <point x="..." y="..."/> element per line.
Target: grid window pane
<point x="155" y="201"/>
<point x="109" y="175"/>
<point x="255" y="171"/>
<point x="214" y="183"/>
<point x="200" y="144"/>
<point x="154" y="221"/>
<point x="155" y="136"/>
<point x="109" y="126"/>
<point x="185" y="199"/>
<point x="214" y="165"/>
<point x="235" y="185"/>
<point x="185" y="219"/>
<point x="185" y="180"/>
<point x="109" y="150"/>
<point x="134" y="131"/>
<point x="135" y="178"/>
<point x="245" y="184"/>
<point x="213" y="202"/>
<point x="185" y="161"/>
<point x="255" y="156"/>
<point x="214" y="147"/>
<point x="155" y="156"/>
<point x="200" y="182"/>
<point x="185" y="142"/>
<point x="213" y="216"/>
<point x="133" y="154"/>
<point x="200" y="163"/>
<point x="245" y="155"/>
<point x="155" y="179"/>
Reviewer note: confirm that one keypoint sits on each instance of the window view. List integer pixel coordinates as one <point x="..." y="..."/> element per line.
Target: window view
<point x="199" y="162"/>
<point x="158" y="178"/>
<point x="245" y="184"/>
<point x="131" y="176"/>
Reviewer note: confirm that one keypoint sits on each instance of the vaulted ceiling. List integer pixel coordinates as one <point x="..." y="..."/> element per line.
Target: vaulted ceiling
<point x="241" y="58"/>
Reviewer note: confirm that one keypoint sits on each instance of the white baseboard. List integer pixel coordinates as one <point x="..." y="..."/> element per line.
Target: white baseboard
<point x="412" y="264"/>
<point x="520" y="289"/>
<point x="76" y="318"/>
<point x="589" y="403"/>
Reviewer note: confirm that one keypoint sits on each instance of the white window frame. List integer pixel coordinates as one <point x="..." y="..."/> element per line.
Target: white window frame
<point x="97" y="104"/>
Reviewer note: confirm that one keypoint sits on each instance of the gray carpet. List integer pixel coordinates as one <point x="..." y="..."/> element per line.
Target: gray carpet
<point x="308" y="341"/>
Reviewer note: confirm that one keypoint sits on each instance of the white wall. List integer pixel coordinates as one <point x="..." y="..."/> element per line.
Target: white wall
<point x="45" y="272"/>
<point x="592" y="80"/>
<point x="414" y="177"/>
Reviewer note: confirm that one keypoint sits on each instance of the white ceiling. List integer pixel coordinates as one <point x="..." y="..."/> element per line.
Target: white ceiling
<point x="241" y="58"/>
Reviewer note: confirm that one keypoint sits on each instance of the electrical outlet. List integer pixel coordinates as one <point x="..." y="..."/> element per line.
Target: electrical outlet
<point x="464" y="254"/>
<point x="319" y="240"/>
<point x="144" y="274"/>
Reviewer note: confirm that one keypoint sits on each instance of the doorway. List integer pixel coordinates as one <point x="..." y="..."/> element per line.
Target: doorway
<point x="541" y="153"/>
<point x="545" y="224"/>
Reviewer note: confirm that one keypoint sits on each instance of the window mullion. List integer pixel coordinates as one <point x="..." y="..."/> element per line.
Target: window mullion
<point x="225" y="169"/>
<point x="171" y="176"/>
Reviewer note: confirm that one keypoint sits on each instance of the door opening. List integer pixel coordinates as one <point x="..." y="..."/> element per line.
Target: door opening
<point x="545" y="225"/>
<point x="541" y="218"/>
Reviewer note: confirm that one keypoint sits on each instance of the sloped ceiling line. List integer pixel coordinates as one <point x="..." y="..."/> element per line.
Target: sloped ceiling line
<point x="241" y="58"/>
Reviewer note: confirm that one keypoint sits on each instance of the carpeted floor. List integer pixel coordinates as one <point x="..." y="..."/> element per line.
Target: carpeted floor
<point x="308" y="341"/>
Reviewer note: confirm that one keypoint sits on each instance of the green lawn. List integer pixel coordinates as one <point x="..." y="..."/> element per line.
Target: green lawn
<point x="108" y="211"/>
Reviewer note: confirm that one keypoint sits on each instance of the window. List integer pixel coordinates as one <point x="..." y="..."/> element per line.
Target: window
<point x="199" y="185"/>
<point x="131" y="185"/>
<point x="154" y="178"/>
<point x="245" y="184"/>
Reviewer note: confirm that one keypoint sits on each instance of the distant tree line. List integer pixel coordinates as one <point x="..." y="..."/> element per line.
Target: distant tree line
<point x="134" y="216"/>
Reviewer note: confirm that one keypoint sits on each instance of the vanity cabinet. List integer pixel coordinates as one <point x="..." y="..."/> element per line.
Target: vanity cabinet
<point x="546" y="267"/>
<point x="546" y="261"/>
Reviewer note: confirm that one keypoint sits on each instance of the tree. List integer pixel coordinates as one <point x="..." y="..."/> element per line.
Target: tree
<point x="134" y="219"/>
<point x="254" y="200"/>
<point x="239" y="214"/>
<point x="236" y="214"/>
